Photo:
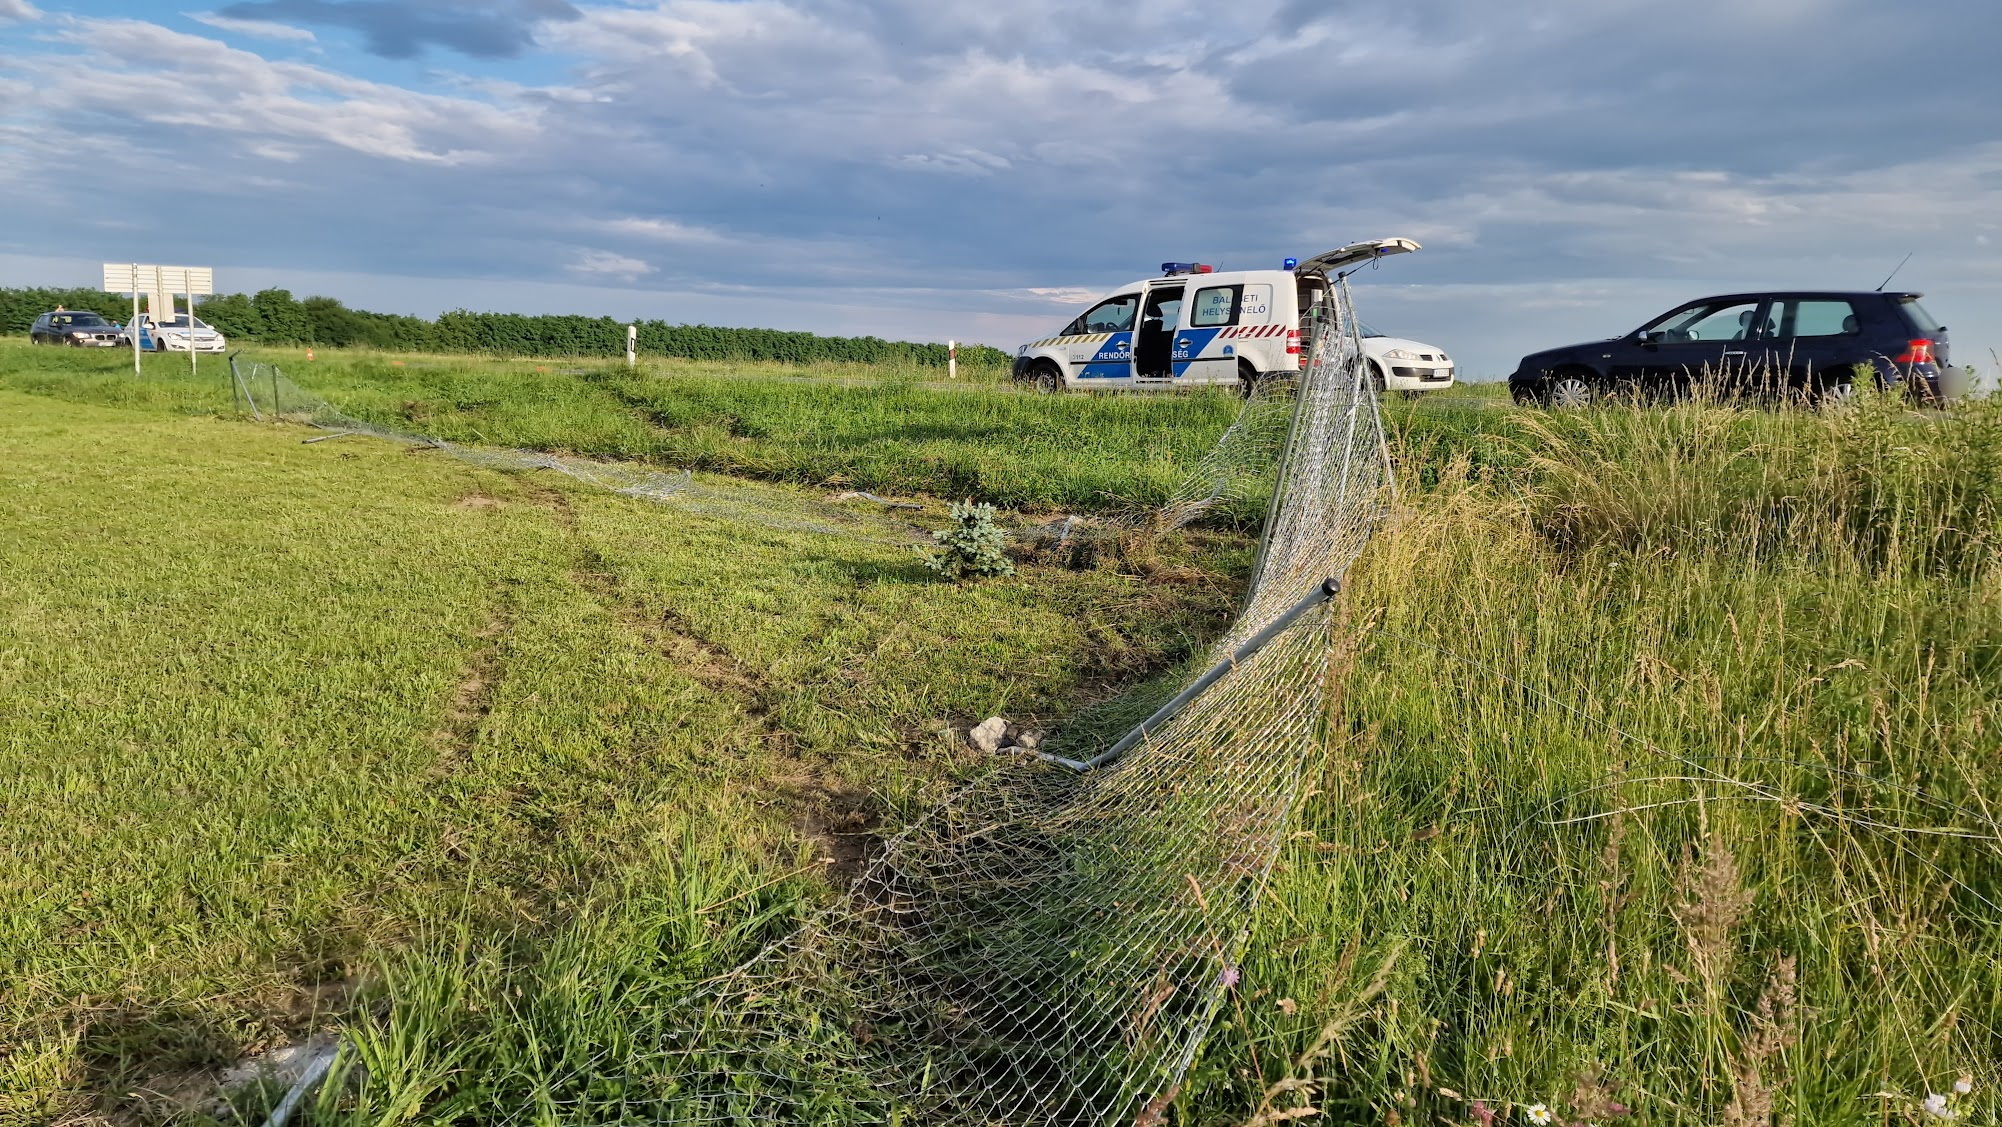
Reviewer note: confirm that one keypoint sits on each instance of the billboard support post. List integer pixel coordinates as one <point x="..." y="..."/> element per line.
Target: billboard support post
<point x="132" y="326"/>
<point x="157" y="281"/>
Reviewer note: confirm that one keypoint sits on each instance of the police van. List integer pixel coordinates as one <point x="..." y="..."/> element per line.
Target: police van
<point x="1195" y="325"/>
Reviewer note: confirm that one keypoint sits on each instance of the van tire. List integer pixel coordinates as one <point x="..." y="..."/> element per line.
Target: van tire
<point x="1046" y="378"/>
<point x="1248" y="379"/>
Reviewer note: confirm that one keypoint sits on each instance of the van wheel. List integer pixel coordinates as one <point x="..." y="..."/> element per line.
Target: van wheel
<point x="1571" y="389"/>
<point x="1247" y="380"/>
<point x="1047" y="378"/>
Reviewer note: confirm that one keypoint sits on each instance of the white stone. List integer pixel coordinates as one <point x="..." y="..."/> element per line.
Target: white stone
<point x="989" y="734"/>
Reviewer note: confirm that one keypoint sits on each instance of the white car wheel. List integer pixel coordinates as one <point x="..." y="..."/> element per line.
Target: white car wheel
<point x="1570" y="390"/>
<point x="1835" y="392"/>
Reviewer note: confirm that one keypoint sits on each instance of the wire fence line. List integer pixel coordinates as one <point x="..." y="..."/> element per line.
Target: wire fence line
<point x="266" y="390"/>
<point x="1048" y="946"/>
<point x="1231" y="474"/>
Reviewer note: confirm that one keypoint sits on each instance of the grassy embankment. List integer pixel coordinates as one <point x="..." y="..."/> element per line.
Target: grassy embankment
<point x="1667" y="783"/>
<point x="284" y="722"/>
<point x="858" y="428"/>
<point x="1665" y="792"/>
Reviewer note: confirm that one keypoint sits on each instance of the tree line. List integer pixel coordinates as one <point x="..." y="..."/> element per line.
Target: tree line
<point x="275" y="317"/>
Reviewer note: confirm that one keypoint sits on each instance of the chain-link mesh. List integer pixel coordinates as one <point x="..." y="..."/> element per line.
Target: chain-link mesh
<point x="1050" y="947"/>
<point x="268" y="390"/>
<point x="1047" y="947"/>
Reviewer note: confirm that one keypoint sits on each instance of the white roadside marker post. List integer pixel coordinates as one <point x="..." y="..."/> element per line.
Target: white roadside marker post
<point x="632" y="345"/>
<point x="952" y="359"/>
<point x="132" y="326"/>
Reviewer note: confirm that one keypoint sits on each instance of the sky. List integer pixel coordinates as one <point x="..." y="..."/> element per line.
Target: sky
<point x="975" y="169"/>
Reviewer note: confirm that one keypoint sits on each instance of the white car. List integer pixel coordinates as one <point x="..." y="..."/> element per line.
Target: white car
<point x="172" y="334"/>
<point x="1406" y="365"/>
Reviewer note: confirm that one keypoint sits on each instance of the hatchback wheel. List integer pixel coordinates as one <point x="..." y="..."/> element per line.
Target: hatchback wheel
<point x="1049" y="381"/>
<point x="1835" y="390"/>
<point x="1570" y="390"/>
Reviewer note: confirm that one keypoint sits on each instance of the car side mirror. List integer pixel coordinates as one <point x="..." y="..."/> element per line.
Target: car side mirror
<point x="1650" y="336"/>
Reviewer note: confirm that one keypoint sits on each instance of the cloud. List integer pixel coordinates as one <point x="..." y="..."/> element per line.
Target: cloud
<point x="659" y="230"/>
<point x="1062" y="295"/>
<point x="18" y="11"/>
<point x="397" y="29"/>
<point x="261" y="29"/>
<point x="1567" y="169"/>
<point x="197" y="91"/>
<point x="606" y="264"/>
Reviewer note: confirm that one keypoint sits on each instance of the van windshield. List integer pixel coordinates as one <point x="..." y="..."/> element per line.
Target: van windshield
<point x="180" y="322"/>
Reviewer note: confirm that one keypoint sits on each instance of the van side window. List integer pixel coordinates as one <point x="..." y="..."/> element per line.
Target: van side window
<point x="1215" y="306"/>
<point x="1113" y="315"/>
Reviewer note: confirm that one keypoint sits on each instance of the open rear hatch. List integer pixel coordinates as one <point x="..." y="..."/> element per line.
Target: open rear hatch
<point x="1355" y="254"/>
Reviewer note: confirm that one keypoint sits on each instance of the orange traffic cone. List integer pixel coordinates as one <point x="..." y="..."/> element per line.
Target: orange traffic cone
<point x="309" y="354"/>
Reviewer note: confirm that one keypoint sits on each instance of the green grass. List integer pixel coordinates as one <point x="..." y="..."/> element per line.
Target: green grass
<point x="880" y="430"/>
<point x="279" y="714"/>
<point x="1666" y="776"/>
<point x="1663" y="768"/>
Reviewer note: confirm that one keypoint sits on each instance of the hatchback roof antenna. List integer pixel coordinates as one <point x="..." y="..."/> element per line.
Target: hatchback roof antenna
<point x="1894" y="271"/>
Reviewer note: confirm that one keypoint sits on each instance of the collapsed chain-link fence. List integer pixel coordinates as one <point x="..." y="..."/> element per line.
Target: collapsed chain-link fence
<point x="265" y="390"/>
<point x="1053" y="946"/>
<point x="1232" y="474"/>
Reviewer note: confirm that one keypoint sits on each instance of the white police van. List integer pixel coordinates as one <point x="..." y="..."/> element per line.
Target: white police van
<point x="1195" y="325"/>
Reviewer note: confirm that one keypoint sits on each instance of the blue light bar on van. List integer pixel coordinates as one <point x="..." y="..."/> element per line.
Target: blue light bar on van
<point x="1169" y="269"/>
<point x="1290" y="264"/>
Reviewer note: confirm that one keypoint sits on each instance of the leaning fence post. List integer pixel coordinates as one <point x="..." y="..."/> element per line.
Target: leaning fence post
<point x="250" y="399"/>
<point x="1329" y="588"/>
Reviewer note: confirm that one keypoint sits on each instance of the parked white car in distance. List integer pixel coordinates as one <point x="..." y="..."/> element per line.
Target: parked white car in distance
<point x="172" y="334"/>
<point x="1406" y="365"/>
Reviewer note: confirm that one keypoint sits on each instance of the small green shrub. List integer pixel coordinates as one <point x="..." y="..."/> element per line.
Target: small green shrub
<point x="972" y="546"/>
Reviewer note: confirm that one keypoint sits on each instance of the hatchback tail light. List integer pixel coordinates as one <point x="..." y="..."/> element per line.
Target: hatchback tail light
<point x="1293" y="342"/>
<point x="1917" y="351"/>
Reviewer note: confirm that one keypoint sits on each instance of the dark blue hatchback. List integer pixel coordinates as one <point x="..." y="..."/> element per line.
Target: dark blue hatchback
<point x="1804" y="343"/>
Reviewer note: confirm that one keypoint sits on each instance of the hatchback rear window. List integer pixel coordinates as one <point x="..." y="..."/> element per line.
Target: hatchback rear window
<point x="1921" y="320"/>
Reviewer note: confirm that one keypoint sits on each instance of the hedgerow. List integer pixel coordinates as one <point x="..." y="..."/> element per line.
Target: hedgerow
<point x="275" y="317"/>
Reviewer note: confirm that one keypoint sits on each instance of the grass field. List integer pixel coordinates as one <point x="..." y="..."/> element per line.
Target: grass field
<point x="859" y="428"/>
<point x="275" y="712"/>
<point x="1664" y="786"/>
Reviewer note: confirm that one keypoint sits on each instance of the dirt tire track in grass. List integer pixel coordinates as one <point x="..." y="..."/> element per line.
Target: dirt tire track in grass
<point x="839" y="819"/>
<point x="472" y="698"/>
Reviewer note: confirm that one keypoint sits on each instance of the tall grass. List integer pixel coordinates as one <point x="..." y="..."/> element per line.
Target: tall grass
<point x="1664" y="788"/>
